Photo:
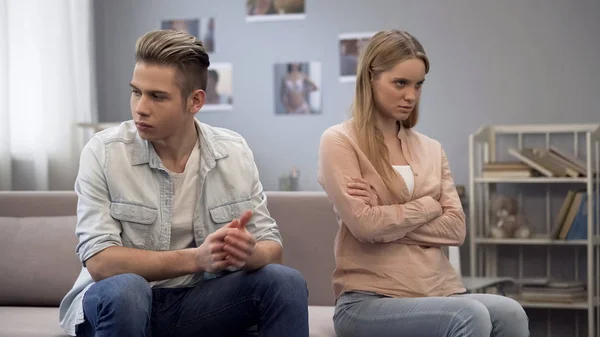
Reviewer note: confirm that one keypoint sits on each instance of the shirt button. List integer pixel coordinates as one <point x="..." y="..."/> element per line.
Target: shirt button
<point x="199" y="232"/>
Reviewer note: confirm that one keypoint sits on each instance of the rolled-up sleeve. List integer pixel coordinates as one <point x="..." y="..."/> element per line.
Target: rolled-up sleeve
<point x="261" y="225"/>
<point x="96" y="229"/>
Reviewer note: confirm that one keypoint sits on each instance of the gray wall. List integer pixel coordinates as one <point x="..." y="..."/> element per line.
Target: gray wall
<point x="492" y="62"/>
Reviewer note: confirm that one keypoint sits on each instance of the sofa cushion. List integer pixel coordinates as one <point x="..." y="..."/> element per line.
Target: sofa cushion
<point x="38" y="263"/>
<point x="38" y="322"/>
<point x="320" y="320"/>
<point x="29" y="322"/>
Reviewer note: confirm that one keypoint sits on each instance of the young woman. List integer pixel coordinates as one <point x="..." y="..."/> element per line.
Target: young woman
<point x="397" y="207"/>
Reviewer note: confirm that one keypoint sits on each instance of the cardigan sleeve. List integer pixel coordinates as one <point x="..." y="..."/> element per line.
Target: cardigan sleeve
<point x="449" y="229"/>
<point x="338" y="162"/>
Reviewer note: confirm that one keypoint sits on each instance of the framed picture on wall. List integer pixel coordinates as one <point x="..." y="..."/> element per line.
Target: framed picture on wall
<point x="190" y="26"/>
<point x="207" y="34"/>
<point x="275" y="10"/>
<point x="203" y="29"/>
<point x="297" y="88"/>
<point x="219" y="88"/>
<point x="350" y="46"/>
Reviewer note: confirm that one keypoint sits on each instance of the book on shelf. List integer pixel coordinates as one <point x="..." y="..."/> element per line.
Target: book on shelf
<point x="576" y="163"/>
<point x="507" y="170"/>
<point x="572" y="218"/>
<point x="554" y="291"/>
<point x="558" y="166"/>
<point x="505" y="165"/>
<point x="528" y="157"/>
<point x="562" y="214"/>
<point x="550" y="162"/>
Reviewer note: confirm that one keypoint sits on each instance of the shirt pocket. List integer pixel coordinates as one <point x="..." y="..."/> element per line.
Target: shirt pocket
<point x="227" y="212"/>
<point x="136" y="220"/>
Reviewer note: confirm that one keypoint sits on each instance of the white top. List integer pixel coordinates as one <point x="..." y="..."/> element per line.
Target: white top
<point x="407" y="174"/>
<point x="184" y="205"/>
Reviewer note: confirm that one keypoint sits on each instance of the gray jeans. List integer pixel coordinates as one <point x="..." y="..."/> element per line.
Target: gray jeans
<point x="361" y="314"/>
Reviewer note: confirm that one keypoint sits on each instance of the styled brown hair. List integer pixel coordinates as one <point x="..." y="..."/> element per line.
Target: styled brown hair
<point x="383" y="51"/>
<point x="176" y="49"/>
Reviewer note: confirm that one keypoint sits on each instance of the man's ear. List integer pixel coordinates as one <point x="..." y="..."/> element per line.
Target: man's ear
<point x="196" y="100"/>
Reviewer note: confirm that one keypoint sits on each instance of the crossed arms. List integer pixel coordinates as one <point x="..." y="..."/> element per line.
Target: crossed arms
<point x="423" y="221"/>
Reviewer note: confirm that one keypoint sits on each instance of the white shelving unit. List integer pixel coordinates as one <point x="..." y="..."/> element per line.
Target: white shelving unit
<point x="485" y="146"/>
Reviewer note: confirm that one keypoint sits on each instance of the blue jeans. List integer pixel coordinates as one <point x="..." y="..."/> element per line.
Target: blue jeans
<point x="470" y="315"/>
<point x="271" y="300"/>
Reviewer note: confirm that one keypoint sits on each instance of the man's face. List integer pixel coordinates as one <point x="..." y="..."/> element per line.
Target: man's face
<point x="157" y="107"/>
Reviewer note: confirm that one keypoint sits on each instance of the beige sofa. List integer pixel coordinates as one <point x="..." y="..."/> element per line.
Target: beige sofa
<point x="38" y="264"/>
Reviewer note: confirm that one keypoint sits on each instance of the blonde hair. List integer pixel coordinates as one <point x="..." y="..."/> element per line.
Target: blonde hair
<point x="383" y="51"/>
<point x="176" y="49"/>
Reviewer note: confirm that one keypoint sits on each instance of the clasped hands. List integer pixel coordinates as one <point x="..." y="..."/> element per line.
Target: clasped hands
<point x="229" y="247"/>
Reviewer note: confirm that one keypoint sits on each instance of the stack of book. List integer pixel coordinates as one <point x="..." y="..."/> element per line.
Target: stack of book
<point x="507" y="170"/>
<point x="554" y="291"/>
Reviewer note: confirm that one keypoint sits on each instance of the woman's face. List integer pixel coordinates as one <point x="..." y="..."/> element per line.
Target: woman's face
<point x="397" y="91"/>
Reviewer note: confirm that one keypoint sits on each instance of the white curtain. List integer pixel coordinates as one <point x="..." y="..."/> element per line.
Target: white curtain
<point x="46" y="88"/>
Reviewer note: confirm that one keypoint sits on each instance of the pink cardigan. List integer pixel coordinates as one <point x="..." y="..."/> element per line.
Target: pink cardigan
<point x="393" y="249"/>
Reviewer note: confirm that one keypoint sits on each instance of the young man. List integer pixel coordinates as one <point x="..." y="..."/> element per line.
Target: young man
<point x="174" y="233"/>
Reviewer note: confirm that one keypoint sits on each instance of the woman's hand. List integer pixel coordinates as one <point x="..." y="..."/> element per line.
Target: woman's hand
<point x="360" y="188"/>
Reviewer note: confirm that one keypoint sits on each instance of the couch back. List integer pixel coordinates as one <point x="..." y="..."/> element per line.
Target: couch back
<point x="308" y="225"/>
<point x="38" y="264"/>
